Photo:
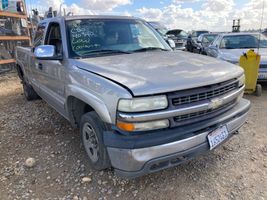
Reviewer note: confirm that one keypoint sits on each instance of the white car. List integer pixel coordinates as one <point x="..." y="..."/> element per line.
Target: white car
<point x="230" y="46"/>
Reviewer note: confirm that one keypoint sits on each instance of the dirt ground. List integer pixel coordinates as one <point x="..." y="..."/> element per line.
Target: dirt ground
<point x="236" y="170"/>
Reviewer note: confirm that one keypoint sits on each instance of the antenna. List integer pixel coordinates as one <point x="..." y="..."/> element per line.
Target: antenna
<point x="262" y="13"/>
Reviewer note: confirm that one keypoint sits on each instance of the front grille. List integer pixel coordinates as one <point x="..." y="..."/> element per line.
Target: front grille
<point x="204" y="93"/>
<point x="192" y="97"/>
<point x="202" y="115"/>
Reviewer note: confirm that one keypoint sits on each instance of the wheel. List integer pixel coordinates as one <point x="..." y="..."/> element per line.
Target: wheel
<point x="91" y="129"/>
<point x="191" y="49"/>
<point x="29" y="92"/>
<point x="258" y="90"/>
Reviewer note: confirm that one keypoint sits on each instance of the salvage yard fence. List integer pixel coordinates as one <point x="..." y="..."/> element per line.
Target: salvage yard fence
<point x="14" y="31"/>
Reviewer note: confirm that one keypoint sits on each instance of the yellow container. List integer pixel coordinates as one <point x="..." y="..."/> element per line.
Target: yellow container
<point x="250" y="62"/>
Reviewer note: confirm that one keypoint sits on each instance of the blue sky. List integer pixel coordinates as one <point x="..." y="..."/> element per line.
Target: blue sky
<point x="158" y="4"/>
<point x="215" y="15"/>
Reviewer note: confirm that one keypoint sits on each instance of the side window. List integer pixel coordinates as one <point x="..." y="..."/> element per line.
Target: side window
<point x="205" y="40"/>
<point x="54" y="37"/>
<point x="39" y="35"/>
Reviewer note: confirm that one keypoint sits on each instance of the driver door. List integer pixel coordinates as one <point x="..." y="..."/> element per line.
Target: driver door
<point x="52" y="72"/>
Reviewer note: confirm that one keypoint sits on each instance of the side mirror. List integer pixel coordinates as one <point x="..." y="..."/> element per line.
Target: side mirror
<point x="46" y="52"/>
<point x="171" y="43"/>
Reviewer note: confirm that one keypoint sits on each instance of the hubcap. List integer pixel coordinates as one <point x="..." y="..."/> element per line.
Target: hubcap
<point x="90" y="142"/>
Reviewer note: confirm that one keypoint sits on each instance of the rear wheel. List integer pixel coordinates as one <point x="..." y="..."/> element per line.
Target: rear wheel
<point x="91" y="129"/>
<point x="29" y="92"/>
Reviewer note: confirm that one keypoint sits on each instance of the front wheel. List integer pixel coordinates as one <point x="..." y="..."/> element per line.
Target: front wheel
<point x="29" y="92"/>
<point x="91" y="129"/>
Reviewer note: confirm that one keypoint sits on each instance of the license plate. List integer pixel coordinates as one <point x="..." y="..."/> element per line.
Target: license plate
<point x="262" y="76"/>
<point x="217" y="136"/>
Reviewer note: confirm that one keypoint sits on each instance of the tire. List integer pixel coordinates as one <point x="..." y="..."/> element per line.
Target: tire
<point x="29" y="92"/>
<point x="258" y="90"/>
<point x="91" y="130"/>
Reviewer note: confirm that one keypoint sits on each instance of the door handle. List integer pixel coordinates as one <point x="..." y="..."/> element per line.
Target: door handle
<point x="40" y="66"/>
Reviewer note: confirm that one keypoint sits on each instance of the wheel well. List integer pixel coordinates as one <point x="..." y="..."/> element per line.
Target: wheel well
<point x="20" y="72"/>
<point x="77" y="108"/>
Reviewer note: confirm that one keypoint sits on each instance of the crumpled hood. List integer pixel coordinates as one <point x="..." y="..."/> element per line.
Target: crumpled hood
<point x="233" y="55"/>
<point x="157" y="72"/>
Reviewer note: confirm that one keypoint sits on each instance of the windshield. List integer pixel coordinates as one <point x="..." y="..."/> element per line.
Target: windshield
<point x="162" y="31"/>
<point x="209" y="38"/>
<point x="244" y="41"/>
<point x="91" y="36"/>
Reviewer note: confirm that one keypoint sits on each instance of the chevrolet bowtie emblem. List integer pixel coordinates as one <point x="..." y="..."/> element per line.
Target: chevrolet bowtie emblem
<point x="215" y="103"/>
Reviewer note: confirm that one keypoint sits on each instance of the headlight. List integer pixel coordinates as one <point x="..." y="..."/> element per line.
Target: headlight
<point x="143" y="126"/>
<point x="143" y="104"/>
<point x="241" y="80"/>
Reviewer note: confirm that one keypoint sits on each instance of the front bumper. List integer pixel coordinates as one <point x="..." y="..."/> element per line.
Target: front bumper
<point x="182" y="48"/>
<point x="262" y="76"/>
<point x="132" y="160"/>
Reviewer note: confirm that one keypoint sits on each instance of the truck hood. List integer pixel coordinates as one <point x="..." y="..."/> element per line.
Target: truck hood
<point x="233" y="55"/>
<point x="158" y="72"/>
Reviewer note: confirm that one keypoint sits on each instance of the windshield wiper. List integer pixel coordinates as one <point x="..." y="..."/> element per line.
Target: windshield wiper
<point x="104" y="51"/>
<point x="149" y="49"/>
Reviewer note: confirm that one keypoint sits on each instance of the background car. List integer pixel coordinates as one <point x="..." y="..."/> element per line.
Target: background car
<point x="203" y="42"/>
<point x="264" y="32"/>
<point x="192" y="40"/>
<point x="179" y="37"/>
<point x="230" y="46"/>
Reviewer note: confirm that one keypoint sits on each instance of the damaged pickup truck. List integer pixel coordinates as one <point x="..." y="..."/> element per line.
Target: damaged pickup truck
<point x="140" y="106"/>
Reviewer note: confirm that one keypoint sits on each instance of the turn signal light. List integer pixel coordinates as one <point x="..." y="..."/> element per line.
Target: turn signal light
<point x="143" y="126"/>
<point x="125" y="126"/>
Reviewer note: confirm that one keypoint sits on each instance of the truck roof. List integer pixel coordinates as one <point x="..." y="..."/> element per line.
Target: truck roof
<point x="74" y="17"/>
<point x="239" y="33"/>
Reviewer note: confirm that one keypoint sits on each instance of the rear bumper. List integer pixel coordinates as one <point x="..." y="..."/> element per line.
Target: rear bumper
<point x="132" y="162"/>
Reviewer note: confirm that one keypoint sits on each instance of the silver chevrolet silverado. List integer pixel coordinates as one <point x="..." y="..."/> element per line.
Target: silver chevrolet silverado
<point x="140" y="106"/>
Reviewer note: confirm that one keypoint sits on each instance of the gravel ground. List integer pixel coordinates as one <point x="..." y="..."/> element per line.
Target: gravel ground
<point x="59" y="169"/>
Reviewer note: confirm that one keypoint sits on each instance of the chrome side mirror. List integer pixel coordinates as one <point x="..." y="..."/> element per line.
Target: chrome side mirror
<point x="46" y="52"/>
<point x="171" y="43"/>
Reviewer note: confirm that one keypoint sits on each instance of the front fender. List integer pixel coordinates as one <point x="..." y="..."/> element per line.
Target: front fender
<point x="87" y="97"/>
